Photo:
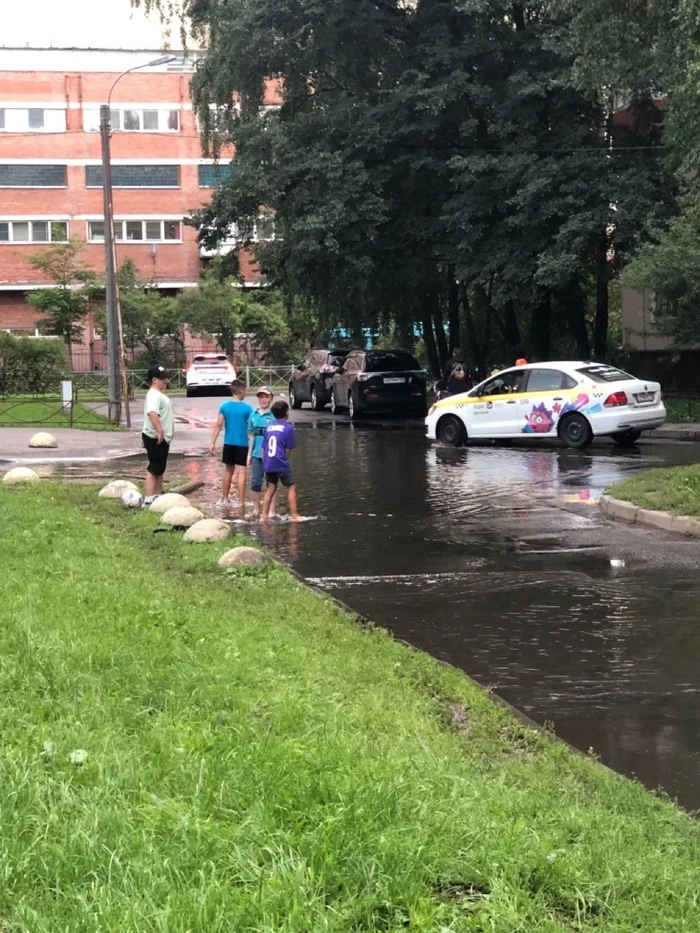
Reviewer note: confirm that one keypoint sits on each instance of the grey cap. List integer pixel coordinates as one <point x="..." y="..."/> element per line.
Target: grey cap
<point x="265" y="390"/>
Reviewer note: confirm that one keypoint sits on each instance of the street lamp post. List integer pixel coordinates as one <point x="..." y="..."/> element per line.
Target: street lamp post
<point x="117" y="380"/>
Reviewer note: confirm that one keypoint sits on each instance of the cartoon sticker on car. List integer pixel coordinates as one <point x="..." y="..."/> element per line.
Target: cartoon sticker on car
<point x="541" y="420"/>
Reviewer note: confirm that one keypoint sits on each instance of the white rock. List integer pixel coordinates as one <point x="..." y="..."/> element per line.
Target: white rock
<point x="209" y="529"/>
<point x="170" y="500"/>
<point x="20" y="475"/>
<point x="116" y="489"/>
<point x="242" y="557"/>
<point x="182" y="517"/>
<point x="78" y="756"/>
<point x="42" y="439"/>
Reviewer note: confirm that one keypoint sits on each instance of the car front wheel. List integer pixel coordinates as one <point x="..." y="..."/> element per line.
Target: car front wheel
<point x="575" y="431"/>
<point x="451" y="431"/>
<point x="626" y="438"/>
<point x="293" y="400"/>
<point x="335" y="408"/>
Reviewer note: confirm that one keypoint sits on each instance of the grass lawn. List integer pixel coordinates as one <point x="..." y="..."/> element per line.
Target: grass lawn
<point x="668" y="489"/>
<point x="47" y="413"/>
<point x="257" y="762"/>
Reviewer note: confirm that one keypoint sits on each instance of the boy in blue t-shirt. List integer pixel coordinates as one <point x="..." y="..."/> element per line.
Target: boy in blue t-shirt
<point x="233" y="418"/>
<point x="257" y="423"/>
<point x="279" y="440"/>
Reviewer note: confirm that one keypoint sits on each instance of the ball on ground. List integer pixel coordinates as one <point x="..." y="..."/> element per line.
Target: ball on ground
<point x="132" y="499"/>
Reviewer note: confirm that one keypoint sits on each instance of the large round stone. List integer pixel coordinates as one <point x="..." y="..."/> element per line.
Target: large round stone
<point x="170" y="500"/>
<point x="43" y="439"/>
<point x="116" y="489"/>
<point x="182" y="517"/>
<point x="20" y="475"/>
<point x="242" y="557"/>
<point x="209" y="529"/>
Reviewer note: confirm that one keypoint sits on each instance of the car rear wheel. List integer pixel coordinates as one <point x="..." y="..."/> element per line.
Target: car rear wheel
<point x="627" y="438"/>
<point x="451" y="431"/>
<point x="335" y="408"/>
<point x="316" y="403"/>
<point x="293" y="400"/>
<point x="575" y="431"/>
<point x="353" y="411"/>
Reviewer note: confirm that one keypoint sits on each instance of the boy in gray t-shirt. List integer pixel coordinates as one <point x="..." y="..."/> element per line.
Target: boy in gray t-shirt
<point x="158" y="430"/>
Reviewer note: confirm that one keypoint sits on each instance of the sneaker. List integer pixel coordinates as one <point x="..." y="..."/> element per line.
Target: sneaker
<point x="149" y="500"/>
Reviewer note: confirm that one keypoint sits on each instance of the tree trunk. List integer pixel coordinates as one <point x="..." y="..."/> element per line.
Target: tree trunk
<point x="429" y="339"/>
<point x="602" y="298"/>
<point x="540" y="328"/>
<point x="441" y="339"/>
<point x="576" y="302"/>
<point x="453" y="298"/>
<point x="475" y="351"/>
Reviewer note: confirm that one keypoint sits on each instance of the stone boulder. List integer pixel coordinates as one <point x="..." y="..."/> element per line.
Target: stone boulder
<point x="242" y="557"/>
<point x="116" y="489"/>
<point x="20" y="475"/>
<point x="182" y="517"/>
<point x="42" y="439"/>
<point x="209" y="529"/>
<point x="170" y="500"/>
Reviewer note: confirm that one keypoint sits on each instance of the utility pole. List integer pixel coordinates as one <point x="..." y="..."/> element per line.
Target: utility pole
<point x="113" y="354"/>
<point x="117" y="376"/>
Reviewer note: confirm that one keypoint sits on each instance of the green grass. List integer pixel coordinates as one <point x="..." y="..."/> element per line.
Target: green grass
<point x="668" y="489"/>
<point x="257" y="762"/>
<point x="48" y="413"/>
<point x="682" y="410"/>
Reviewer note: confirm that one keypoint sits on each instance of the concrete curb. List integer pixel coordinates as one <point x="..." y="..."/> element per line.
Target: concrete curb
<point x="688" y="434"/>
<point x="623" y="511"/>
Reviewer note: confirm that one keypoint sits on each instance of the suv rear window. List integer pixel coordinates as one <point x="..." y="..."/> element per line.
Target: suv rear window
<point x="336" y="359"/>
<point x="390" y="362"/>
<point x="602" y="374"/>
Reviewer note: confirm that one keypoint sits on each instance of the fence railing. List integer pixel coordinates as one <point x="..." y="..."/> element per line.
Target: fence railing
<point x="277" y="377"/>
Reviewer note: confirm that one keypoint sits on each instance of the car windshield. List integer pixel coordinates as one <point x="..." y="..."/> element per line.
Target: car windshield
<point x="391" y="362"/>
<point x="604" y="373"/>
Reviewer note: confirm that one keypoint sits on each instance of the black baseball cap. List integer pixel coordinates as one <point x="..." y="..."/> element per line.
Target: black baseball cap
<point x="157" y="372"/>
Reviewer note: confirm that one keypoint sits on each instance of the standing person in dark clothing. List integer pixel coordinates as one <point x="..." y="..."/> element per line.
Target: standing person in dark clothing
<point x="456" y="375"/>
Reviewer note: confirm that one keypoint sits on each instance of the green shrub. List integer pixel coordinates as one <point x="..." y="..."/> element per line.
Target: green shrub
<point x="31" y="366"/>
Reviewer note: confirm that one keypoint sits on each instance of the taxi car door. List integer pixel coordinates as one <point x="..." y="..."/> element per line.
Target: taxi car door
<point x="495" y="409"/>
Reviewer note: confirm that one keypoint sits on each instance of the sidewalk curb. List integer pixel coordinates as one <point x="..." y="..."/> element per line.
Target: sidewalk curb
<point x="667" y="433"/>
<point x="620" y="510"/>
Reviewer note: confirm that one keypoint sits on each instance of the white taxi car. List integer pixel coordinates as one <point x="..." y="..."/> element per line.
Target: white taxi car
<point x="209" y="371"/>
<point x="572" y="401"/>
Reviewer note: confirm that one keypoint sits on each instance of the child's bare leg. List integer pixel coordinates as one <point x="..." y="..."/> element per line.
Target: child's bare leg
<point x="292" y="503"/>
<point x="273" y="503"/>
<point x="256" y="498"/>
<point x="241" y="474"/>
<point x="226" y="486"/>
<point x="267" y="501"/>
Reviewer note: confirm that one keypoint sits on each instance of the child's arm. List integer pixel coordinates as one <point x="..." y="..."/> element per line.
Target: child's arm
<point x="215" y="433"/>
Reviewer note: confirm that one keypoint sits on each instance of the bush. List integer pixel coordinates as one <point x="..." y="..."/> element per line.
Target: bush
<point x="31" y="366"/>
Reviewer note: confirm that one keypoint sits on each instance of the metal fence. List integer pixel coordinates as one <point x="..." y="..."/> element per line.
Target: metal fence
<point x="96" y="383"/>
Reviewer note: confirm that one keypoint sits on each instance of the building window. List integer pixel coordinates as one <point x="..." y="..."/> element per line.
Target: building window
<point x="264" y="228"/>
<point x="210" y="176"/>
<point x="33" y="231"/>
<point x="149" y="231"/>
<point x="134" y="120"/>
<point x="32" y="176"/>
<point x="32" y="120"/>
<point x="135" y="176"/>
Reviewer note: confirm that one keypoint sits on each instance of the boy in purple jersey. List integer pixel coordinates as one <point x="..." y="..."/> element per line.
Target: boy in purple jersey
<point x="279" y="440"/>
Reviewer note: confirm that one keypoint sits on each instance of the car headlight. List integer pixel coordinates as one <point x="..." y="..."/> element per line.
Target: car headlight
<point x="432" y="410"/>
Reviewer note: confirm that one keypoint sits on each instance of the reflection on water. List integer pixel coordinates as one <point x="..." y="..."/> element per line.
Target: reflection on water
<point x="497" y="560"/>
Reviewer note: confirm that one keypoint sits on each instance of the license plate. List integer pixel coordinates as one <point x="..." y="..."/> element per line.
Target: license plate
<point x="395" y="380"/>
<point x="645" y="397"/>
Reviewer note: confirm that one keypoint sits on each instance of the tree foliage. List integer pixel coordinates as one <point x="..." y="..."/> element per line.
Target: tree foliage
<point x="455" y="164"/>
<point x="66" y="304"/>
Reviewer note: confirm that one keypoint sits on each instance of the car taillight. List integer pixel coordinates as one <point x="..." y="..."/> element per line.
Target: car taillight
<point x="616" y="399"/>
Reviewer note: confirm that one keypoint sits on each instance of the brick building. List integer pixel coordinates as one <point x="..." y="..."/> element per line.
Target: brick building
<point x="51" y="175"/>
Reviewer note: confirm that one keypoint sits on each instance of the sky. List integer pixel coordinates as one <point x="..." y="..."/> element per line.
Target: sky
<point x="80" y="24"/>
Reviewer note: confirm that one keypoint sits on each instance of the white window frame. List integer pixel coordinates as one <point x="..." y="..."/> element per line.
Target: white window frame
<point x="120" y="222"/>
<point x="19" y="118"/>
<point x="91" y="117"/>
<point x="11" y="221"/>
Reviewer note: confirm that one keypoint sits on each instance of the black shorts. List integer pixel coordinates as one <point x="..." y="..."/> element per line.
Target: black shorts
<point x="235" y="455"/>
<point x="157" y="454"/>
<point x="286" y="479"/>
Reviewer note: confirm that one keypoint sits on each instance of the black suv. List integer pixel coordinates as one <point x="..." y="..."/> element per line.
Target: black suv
<point x="389" y="380"/>
<point x="311" y="381"/>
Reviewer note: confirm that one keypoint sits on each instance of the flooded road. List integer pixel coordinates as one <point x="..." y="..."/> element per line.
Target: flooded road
<point x="499" y="561"/>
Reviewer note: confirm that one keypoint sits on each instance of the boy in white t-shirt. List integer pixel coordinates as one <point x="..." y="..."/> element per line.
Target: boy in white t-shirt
<point x="158" y="430"/>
